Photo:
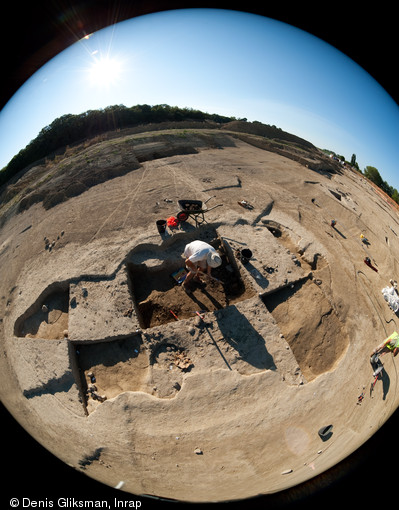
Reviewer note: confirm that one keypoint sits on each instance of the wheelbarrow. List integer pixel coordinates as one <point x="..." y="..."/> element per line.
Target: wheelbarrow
<point x="195" y="209"/>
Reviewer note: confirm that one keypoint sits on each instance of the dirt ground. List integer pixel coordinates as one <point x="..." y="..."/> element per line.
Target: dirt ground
<point x="105" y="357"/>
<point x="160" y="298"/>
<point x="302" y="311"/>
<point x="50" y="321"/>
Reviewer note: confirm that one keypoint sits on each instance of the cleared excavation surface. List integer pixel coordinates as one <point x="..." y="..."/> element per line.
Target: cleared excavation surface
<point x="49" y="319"/>
<point x="275" y="352"/>
<point x="310" y="325"/>
<point x="159" y="297"/>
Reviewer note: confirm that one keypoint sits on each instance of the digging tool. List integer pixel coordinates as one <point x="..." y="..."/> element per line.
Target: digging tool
<point x="213" y="278"/>
<point x="174" y="315"/>
<point x="217" y="347"/>
<point x="367" y="261"/>
<point x="373" y="383"/>
<point x="200" y="313"/>
<point x="377" y="367"/>
<point x="206" y="275"/>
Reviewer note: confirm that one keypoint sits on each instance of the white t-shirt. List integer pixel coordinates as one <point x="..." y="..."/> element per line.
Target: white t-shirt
<point x="197" y="251"/>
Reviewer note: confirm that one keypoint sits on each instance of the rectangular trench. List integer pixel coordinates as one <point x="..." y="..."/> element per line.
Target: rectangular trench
<point x="158" y="299"/>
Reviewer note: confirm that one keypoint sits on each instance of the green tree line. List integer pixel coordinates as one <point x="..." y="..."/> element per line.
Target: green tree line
<point x="374" y="175"/>
<point x="371" y="173"/>
<point x="70" y="129"/>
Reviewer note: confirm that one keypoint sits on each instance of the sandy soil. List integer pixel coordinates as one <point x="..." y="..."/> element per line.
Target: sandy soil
<point x="225" y="403"/>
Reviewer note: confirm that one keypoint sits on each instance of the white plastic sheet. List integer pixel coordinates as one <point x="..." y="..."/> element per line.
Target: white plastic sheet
<point x="391" y="297"/>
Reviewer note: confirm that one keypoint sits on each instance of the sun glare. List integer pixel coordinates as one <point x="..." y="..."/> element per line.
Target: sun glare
<point x="105" y="72"/>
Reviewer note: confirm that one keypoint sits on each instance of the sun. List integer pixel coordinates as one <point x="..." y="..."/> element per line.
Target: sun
<point x="105" y="72"/>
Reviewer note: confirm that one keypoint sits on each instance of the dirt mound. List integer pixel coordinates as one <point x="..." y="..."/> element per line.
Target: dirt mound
<point x="70" y="174"/>
<point x="265" y="131"/>
<point x="76" y="171"/>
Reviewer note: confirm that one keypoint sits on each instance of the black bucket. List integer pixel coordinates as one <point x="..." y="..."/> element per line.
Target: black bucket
<point x="161" y="226"/>
<point x="246" y="255"/>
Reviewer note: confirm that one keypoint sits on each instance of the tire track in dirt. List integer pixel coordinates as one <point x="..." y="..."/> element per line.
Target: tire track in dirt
<point x="130" y="195"/>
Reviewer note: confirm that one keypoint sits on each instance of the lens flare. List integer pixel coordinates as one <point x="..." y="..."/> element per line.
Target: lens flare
<point x="104" y="72"/>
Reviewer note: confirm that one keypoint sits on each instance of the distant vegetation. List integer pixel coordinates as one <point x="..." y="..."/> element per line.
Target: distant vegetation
<point x="371" y="173"/>
<point x="374" y="175"/>
<point x="71" y="129"/>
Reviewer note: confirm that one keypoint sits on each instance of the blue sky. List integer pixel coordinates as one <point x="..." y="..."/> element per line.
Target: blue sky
<point x="219" y="61"/>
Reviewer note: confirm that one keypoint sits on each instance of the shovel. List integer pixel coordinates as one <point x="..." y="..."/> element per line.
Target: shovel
<point x="206" y="275"/>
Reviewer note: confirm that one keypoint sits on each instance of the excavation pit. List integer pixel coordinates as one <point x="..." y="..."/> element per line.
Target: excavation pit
<point x="169" y="356"/>
<point x="276" y="231"/>
<point x="110" y="368"/>
<point x="160" y="299"/>
<point x="307" y="262"/>
<point x="310" y="325"/>
<point x="47" y="318"/>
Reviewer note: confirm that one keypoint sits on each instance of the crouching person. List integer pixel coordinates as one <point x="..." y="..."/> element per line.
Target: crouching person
<point x="200" y="257"/>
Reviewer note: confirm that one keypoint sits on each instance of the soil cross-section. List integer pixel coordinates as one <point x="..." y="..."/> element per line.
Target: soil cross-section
<point x="310" y="325"/>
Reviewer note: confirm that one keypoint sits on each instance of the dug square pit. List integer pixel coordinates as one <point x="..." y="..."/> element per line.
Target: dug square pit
<point x="159" y="299"/>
